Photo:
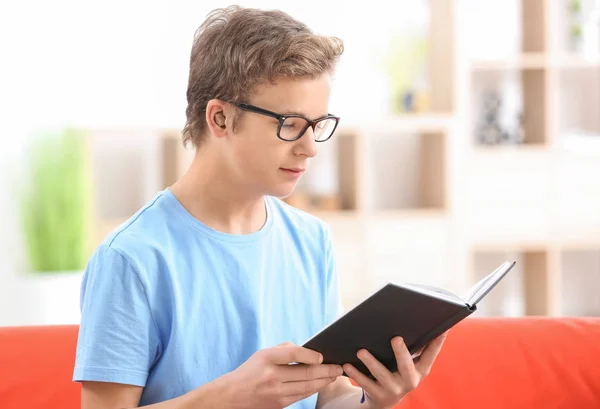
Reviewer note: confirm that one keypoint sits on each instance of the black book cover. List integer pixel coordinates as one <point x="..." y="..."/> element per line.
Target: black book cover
<point x="392" y="311"/>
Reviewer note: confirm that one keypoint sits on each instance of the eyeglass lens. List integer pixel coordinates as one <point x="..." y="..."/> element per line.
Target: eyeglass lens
<point x="293" y="126"/>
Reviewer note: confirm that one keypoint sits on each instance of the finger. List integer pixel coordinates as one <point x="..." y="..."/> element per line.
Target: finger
<point x="404" y="361"/>
<point x="377" y="369"/>
<point x="302" y="372"/>
<point x="289" y="400"/>
<point x="305" y="387"/>
<point x="429" y="355"/>
<point x="288" y="354"/>
<point x="369" y="386"/>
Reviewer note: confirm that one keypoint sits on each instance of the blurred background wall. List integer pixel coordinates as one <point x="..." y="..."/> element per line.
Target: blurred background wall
<point x="470" y="134"/>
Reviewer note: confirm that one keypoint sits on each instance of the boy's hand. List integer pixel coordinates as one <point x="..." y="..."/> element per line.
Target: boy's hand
<point x="390" y="388"/>
<point x="268" y="381"/>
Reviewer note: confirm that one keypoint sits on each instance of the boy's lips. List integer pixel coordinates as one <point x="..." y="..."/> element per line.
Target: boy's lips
<point x="293" y="172"/>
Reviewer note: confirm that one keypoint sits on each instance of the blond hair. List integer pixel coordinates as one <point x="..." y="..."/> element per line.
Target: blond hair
<point x="237" y="48"/>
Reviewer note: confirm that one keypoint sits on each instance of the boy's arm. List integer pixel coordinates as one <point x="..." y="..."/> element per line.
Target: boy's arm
<point x="106" y="395"/>
<point x="266" y="379"/>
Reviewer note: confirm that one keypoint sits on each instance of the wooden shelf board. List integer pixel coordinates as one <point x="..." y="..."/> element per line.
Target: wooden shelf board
<point x="524" y="246"/>
<point x="133" y="131"/>
<point x="579" y="245"/>
<point x="419" y="122"/>
<point x="414" y="214"/>
<point x="393" y="214"/>
<point x="536" y="61"/>
<point x="537" y="148"/>
<point x="566" y="61"/>
<point x="350" y="215"/>
<point x="525" y="61"/>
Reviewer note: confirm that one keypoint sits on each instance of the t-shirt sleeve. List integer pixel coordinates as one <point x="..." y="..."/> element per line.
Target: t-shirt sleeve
<point x="118" y="339"/>
<point x="334" y="305"/>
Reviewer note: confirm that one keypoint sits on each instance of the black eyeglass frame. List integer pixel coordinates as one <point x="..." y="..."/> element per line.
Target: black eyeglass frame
<point x="281" y="118"/>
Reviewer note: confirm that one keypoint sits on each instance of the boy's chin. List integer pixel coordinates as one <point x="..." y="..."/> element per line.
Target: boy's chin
<point x="282" y="192"/>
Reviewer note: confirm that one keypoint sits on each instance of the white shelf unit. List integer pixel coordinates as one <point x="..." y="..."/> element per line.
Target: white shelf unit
<point x="537" y="201"/>
<point x="413" y="198"/>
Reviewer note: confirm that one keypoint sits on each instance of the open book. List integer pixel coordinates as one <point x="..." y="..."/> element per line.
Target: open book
<point x="417" y="313"/>
<point x="475" y="293"/>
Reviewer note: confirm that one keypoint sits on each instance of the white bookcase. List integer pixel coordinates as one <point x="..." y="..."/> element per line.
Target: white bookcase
<point x="416" y="198"/>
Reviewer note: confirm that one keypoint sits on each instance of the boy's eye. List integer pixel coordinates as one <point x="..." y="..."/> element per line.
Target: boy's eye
<point x="293" y="123"/>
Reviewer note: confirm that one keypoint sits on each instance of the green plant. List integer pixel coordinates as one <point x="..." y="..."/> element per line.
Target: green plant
<point x="55" y="207"/>
<point x="575" y="6"/>
<point x="576" y="31"/>
<point x="406" y="62"/>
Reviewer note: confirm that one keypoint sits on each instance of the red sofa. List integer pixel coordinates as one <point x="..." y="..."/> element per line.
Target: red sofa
<point x="529" y="363"/>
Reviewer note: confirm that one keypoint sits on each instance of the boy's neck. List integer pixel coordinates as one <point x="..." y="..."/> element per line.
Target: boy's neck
<point x="209" y="193"/>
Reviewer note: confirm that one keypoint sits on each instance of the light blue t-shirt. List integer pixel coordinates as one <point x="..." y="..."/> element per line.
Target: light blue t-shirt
<point x="170" y="304"/>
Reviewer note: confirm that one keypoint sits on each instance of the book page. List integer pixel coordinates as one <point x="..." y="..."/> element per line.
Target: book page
<point x="434" y="291"/>
<point x="479" y="290"/>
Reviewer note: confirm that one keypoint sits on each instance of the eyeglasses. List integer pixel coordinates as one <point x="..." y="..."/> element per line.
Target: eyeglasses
<point x="292" y="127"/>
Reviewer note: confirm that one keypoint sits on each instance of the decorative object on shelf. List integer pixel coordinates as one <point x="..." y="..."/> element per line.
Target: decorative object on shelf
<point x="574" y="32"/>
<point x="55" y="204"/>
<point x="518" y="136"/>
<point x="583" y="24"/>
<point x="491" y="132"/>
<point x="407" y="71"/>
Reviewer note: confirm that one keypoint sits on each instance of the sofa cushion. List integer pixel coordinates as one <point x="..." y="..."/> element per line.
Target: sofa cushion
<point x="36" y="368"/>
<point x="486" y="363"/>
<point x="513" y="363"/>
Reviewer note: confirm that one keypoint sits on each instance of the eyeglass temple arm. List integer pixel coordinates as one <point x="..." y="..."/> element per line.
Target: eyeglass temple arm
<point x="251" y="108"/>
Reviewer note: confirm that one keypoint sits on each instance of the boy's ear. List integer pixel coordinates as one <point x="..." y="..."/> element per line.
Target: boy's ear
<point x="216" y="118"/>
<point x="220" y="119"/>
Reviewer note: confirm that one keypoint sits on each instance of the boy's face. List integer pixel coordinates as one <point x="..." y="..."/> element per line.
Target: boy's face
<point x="267" y="164"/>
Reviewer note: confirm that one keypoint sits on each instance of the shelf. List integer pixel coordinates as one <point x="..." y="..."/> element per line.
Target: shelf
<point x="536" y="61"/>
<point x="525" y="61"/>
<point x="519" y="246"/>
<point x="388" y="181"/>
<point x="530" y="288"/>
<point x="510" y="108"/>
<point x="534" y="42"/>
<point x="425" y="215"/>
<point x="407" y="123"/>
<point x="419" y="123"/>
<point x="566" y="61"/>
<point x="337" y="215"/>
<point x="507" y="149"/>
<point x="580" y="280"/>
<point x="534" y="25"/>
<point x="578" y="103"/>
<point x="333" y="183"/>
<point x="411" y="214"/>
<point x="132" y="132"/>
<point x="592" y="243"/>
<point x="406" y="172"/>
